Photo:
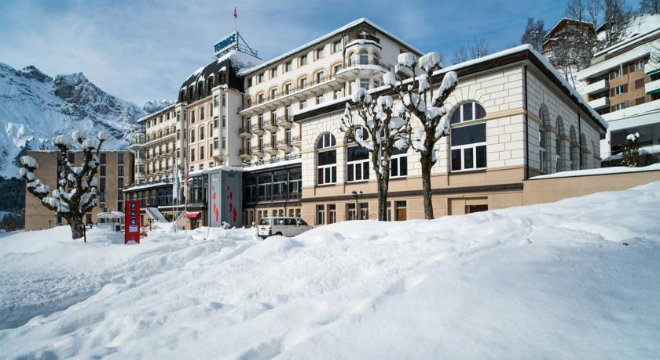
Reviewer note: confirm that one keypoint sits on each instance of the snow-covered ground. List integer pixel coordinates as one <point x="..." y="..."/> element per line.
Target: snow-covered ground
<point x="575" y="279"/>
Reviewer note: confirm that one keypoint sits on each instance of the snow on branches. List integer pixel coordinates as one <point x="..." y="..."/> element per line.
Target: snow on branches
<point x="76" y="185"/>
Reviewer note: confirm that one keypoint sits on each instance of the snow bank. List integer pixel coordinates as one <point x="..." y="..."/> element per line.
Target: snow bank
<point x="548" y="281"/>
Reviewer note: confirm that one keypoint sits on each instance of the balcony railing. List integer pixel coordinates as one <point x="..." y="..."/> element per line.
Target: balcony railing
<point x="600" y="85"/>
<point x="292" y="89"/>
<point x="652" y="87"/>
<point x="600" y="103"/>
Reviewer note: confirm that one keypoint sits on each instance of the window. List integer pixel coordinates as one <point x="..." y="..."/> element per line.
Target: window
<point x="273" y="72"/>
<point x="619" y="90"/>
<point x="120" y="170"/>
<point x="319" y="53"/>
<point x="400" y="208"/>
<point x="273" y="93"/>
<point x="357" y="158"/>
<point x="102" y="185"/>
<point x="201" y="133"/>
<point x="468" y="111"/>
<point x="336" y="46"/>
<point x="120" y="183"/>
<point x="398" y="163"/>
<point x="215" y="143"/>
<point x="639" y="83"/>
<point x="364" y="57"/>
<point x="261" y="77"/>
<point x="303" y="104"/>
<point x="639" y="65"/>
<point x="364" y="211"/>
<point x="201" y="152"/>
<point x="192" y="117"/>
<point x="215" y="123"/>
<point x="302" y="83"/>
<point x="320" y="214"/>
<point x="260" y="98"/>
<point x="326" y="160"/>
<point x="192" y="154"/>
<point x="102" y="170"/>
<point x="120" y="158"/>
<point x="468" y="143"/>
<point x="201" y="113"/>
<point x="364" y="83"/>
<point x="319" y="98"/>
<point x="287" y="66"/>
<point x="319" y="77"/>
<point x="192" y="135"/>
<point x="287" y="88"/>
<point x="332" y="213"/>
<point x="618" y="72"/>
<point x="224" y="120"/>
<point x="102" y="158"/>
<point x="303" y="60"/>
<point x="350" y="212"/>
<point x="621" y="106"/>
<point x="224" y="142"/>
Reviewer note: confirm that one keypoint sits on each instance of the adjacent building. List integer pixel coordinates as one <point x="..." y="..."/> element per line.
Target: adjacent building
<point x="115" y="172"/>
<point x="623" y="85"/>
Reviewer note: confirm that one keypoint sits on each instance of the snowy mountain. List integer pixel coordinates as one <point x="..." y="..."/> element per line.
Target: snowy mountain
<point x="156" y="105"/>
<point x="34" y="107"/>
<point x="552" y="281"/>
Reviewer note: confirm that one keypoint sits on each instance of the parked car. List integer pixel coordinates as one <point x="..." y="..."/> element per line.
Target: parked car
<point x="286" y="226"/>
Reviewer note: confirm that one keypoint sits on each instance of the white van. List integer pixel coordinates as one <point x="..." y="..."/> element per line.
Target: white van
<point x="286" y="226"/>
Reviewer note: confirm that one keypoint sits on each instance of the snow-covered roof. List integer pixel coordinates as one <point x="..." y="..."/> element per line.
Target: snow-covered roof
<point x="156" y="113"/>
<point x="564" y="19"/>
<point x="600" y="171"/>
<point x="147" y="186"/>
<point x="325" y="37"/>
<point x="110" y="215"/>
<point x="245" y="168"/>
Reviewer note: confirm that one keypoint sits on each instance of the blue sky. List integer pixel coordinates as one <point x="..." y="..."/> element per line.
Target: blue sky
<point x="143" y="50"/>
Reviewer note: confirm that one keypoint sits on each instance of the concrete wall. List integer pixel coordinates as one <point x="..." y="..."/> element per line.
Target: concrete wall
<point x="549" y="190"/>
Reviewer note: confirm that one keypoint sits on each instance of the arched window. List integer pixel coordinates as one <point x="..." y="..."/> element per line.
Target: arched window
<point x="302" y="83"/>
<point x="584" y="152"/>
<point x="357" y="157"/>
<point x="573" y="154"/>
<point x="544" y="140"/>
<point x="468" y="142"/>
<point x="559" y="152"/>
<point x="364" y="57"/>
<point x="326" y="160"/>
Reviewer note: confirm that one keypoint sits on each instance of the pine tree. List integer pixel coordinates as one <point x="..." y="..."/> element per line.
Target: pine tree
<point x="76" y="185"/>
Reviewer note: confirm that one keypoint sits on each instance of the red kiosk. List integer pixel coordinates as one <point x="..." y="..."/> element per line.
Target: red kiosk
<point x="132" y="221"/>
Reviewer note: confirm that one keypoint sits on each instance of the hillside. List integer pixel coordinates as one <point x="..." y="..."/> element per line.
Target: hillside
<point x="34" y="107"/>
<point x="573" y="279"/>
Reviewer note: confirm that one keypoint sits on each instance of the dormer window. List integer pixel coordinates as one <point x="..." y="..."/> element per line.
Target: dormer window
<point x="303" y="60"/>
<point x="319" y="53"/>
<point x="261" y="77"/>
<point x="336" y="46"/>
<point x="287" y="66"/>
<point x="273" y="72"/>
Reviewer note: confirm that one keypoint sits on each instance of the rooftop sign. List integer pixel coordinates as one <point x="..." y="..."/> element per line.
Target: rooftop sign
<point x="228" y="42"/>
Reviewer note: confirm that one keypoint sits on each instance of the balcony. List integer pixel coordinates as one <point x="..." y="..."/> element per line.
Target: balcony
<point x="284" y="146"/>
<point x="244" y="154"/>
<point x="362" y="68"/>
<point x="271" y="149"/>
<point x="600" y="103"/>
<point x="596" y="87"/>
<point x="295" y="141"/>
<point x="257" y="128"/>
<point x="652" y="87"/>
<point x="270" y="125"/>
<point x="244" y="132"/>
<point x="285" y="121"/>
<point x="651" y="68"/>
<point x="219" y="153"/>
<point x="257" y="151"/>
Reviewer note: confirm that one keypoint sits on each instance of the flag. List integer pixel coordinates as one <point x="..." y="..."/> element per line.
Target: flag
<point x="235" y="13"/>
<point x="175" y="182"/>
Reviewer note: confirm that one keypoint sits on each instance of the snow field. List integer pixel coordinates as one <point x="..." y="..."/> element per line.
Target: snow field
<point x="574" y="279"/>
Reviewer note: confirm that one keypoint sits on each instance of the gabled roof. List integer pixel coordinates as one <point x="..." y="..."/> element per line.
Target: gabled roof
<point x="562" y="23"/>
<point x="348" y="26"/>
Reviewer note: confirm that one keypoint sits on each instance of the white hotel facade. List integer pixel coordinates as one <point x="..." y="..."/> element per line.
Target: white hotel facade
<point x="512" y="115"/>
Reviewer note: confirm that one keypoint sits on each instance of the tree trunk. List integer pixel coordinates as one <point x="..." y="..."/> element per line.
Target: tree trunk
<point x="76" y="226"/>
<point x="382" y="199"/>
<point x="427" y="164"/>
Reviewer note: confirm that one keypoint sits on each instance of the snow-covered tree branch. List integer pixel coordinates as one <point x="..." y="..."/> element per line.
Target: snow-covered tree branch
<point x="76" y="185"/>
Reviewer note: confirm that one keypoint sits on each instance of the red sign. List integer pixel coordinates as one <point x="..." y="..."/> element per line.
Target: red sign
<point x="132" y="221"/>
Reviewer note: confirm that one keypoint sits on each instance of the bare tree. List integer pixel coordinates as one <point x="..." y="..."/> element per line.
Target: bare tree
<point x="413" y="82"/>
<point x="479" y="48"/>
<point x="459" y="56"/>
<point x="594" y="9"/>
<point x="649" y="7"/>
<point x="76" y="185"/>
<point x="534" y="33"/>
<point x="617" y="15"/>
<point x="384" y="129"/>
<point x="576" y="9"/>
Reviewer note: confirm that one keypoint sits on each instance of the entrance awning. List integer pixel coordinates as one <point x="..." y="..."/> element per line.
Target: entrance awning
<point x="193" y="215"/>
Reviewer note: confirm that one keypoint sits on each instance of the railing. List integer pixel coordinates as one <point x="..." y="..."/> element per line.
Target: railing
<point x="293" y="89"/>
